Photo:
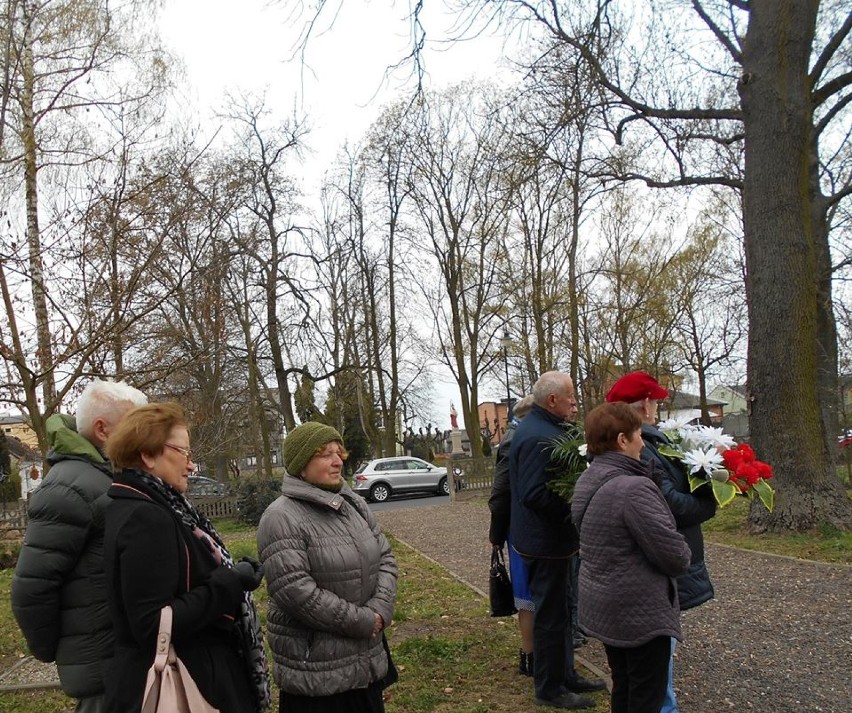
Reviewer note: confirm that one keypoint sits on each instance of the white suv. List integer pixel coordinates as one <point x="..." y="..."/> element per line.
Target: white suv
<point x="378" y="479"/>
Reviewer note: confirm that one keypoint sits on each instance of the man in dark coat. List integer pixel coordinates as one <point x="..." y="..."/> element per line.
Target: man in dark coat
<point x="690" y="508"/>
<point x="58" y="591"/>
<point x="541" y="530"/>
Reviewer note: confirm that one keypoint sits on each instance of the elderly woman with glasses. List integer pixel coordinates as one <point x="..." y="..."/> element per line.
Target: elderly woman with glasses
<point x="331" y="578"/>
<point x="160" y="551"/>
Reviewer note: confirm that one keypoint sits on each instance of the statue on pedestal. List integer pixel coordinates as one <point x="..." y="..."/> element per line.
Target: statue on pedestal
<point x="454" y="420"/>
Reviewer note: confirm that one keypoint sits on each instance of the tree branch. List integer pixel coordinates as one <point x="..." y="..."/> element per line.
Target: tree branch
<point x="717" y="31"/>
<point x="829" y="50"/>
<point x="826" y="91"/>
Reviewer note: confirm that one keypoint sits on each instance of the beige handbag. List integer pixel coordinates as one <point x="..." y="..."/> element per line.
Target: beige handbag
<point x="170" y="688"/>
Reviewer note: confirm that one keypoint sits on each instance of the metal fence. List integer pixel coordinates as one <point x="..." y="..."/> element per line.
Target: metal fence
<point x="13" y="516"/>
<point x="478" y="472"/>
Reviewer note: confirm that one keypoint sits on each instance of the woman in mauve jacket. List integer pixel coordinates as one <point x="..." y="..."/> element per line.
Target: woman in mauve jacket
<point x="161" y="552"/>
<point x="331" y="578"/>
<point x="630" y="554"/>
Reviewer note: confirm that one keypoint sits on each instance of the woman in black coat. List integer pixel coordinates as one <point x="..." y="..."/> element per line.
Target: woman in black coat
<point x="160" y="552"/>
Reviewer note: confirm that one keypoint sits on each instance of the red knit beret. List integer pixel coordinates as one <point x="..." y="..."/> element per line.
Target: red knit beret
<point x="636" y="386"/>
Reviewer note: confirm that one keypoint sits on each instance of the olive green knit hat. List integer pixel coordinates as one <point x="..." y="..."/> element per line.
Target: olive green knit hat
<point x="303" y="441"/>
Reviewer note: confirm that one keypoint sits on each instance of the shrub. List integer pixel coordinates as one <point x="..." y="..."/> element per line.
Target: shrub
<point x="254" y="495"/>
<point x="10" y="488"/>
<point x="9" y="551"/>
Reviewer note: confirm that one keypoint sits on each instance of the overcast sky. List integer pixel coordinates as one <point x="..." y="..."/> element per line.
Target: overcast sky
<point x="251" y="46"/>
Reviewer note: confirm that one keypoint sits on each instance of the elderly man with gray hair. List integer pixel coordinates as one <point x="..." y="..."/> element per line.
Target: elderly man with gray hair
<point x="541" y="530"/>
<point x="58" y="591"/>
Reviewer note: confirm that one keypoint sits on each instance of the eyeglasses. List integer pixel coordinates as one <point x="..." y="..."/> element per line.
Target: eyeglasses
<point x="187" y="453"/>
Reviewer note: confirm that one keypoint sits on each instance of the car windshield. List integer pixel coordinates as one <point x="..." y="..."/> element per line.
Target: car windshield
<point x="362" y="468"/>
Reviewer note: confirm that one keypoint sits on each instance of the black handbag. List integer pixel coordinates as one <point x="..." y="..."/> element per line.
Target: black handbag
<point x="500" y="593"/>
<point x="392" y="676"/>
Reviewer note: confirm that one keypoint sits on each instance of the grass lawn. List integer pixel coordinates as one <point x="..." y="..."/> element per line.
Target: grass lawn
<point x="825" y="544"/>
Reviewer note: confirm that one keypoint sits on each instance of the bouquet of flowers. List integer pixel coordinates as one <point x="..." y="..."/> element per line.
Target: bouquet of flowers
<point x="713" y="457"/>
<point x="568" y="460"/>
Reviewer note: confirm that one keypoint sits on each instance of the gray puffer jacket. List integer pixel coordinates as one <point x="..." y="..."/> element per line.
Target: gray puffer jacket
<point x="59" y="591"/>
<point x="630" y="553"/>
<point x="329" y="570"/>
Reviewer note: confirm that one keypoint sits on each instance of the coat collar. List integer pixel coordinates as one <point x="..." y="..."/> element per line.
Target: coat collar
<point x="300" y="490"/>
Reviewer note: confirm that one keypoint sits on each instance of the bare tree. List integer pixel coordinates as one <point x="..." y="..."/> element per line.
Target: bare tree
<point x="460" y="201"/>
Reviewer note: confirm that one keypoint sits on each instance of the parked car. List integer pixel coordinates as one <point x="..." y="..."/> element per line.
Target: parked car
<point x="201" y="486"/>
<point x="378" y="479"/>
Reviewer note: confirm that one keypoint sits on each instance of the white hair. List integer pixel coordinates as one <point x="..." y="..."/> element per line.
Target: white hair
<point x="107" y="400"/>
<point x="550" y="382"/>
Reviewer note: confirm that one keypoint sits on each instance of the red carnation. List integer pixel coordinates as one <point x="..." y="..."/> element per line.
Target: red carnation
<point x="763" y="469"/>
<point x="732" y="458"/>
<point x="747" y="451"/>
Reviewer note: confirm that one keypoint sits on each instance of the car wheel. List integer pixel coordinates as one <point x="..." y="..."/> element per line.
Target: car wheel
<point x="379" y="493"/>
<point x="443" y="487"/>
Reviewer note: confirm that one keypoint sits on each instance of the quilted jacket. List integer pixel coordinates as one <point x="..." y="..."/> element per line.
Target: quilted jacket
<point x="630" y="553"/>
<point x="329" y="570"/>
<point x="689" y="510"/>
<point x="58" y="593"/>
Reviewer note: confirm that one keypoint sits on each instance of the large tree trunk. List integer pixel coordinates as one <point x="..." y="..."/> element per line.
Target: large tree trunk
<point x="783" y="265"/>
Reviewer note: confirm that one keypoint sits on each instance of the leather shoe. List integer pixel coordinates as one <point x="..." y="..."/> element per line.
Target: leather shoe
<point x="580" y="684"/>
<point x="568" y="700"/>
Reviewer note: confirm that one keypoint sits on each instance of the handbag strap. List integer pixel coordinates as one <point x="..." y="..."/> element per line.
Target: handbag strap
<point x="165" y="652"/>
<point x="497" y="556"/>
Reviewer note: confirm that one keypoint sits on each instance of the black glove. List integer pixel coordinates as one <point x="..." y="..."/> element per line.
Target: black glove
<point x="250" y="572"/>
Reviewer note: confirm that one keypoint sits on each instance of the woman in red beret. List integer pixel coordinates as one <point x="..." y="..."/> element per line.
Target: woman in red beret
<point x="642" y="392"/>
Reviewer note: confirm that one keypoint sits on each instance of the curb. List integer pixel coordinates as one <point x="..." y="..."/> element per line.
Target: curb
<point x="578" y="659"/>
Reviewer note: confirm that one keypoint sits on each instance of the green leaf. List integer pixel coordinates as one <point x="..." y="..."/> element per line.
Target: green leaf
<point x="670" y="452"/>
<point x="765" y="493"/>
<point x="695" y="482"/>
<point x="724" y="492"/>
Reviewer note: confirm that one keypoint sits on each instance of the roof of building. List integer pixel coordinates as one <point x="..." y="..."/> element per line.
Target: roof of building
<point x="21" y="451"/>
<point x="681" y="399"/>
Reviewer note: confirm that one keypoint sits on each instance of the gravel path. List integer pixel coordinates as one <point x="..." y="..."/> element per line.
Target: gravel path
<point x="777" y="638"/>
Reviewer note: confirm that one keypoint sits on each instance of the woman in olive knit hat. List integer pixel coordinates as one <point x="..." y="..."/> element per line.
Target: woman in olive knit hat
<point x="331" y="578"/>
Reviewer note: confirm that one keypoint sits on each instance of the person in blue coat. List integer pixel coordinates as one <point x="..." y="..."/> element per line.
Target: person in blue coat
<point x="542" y="532"/>
<point x="642" y="391"/>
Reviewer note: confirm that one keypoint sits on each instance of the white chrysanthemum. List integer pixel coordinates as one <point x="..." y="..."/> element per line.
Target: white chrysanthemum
<point x="709" y="436"/>
<point x="703" y="460"/>
<point x="675" y="424"/>
<point x="581" y="449"/>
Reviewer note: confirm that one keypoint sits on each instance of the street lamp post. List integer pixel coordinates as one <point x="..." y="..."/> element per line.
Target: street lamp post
<point x="506" y="342"/>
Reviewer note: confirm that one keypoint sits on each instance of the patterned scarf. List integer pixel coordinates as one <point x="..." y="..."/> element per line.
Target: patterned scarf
<point x="247" y="624"/>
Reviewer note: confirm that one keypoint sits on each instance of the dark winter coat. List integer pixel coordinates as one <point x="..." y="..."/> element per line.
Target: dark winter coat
<point x="58" y="593"/>
<point x="541" y="523"/>
<point x="630" y="553"/>
<point x="152" y="560"/>
<point x="500" y="501"/>
<point x="689" y="510"/>
<point x="329" y="571"/>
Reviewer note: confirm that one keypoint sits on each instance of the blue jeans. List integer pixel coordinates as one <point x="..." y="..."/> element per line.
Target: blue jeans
<point x="670" y="702"/>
